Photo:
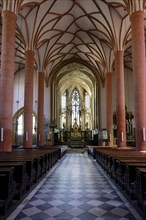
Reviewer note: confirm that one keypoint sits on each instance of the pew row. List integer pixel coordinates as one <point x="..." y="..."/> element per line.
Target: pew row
<point x="140" y="188"/>
<point x="7" y="188"/>
<point x="25" y="168"/>
<point x="127" y="168"/>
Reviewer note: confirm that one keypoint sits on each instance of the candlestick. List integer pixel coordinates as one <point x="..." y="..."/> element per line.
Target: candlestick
<point x="143" y="134"/>
<point x="122" y="136"/>
<point x="2" y="134"/>
<point x="26" y="137"/>
<point x="110" y="137"/>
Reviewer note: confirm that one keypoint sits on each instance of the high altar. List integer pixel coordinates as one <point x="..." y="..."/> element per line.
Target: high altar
<point x="76" y="137"/>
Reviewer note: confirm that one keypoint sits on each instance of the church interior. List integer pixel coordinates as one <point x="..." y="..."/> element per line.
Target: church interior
<point x="72" y="110"/>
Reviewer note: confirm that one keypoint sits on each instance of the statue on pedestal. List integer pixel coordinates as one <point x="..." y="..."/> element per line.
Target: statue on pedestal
<point x="75" y="128"/>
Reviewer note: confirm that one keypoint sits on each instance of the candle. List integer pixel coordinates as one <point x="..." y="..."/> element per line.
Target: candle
<point x="2" y="134"/>
<point x="143" y="134"/>
<point x="26" y="137"/>
<point x="122" y="137"/>
<point x="110" y="137"/>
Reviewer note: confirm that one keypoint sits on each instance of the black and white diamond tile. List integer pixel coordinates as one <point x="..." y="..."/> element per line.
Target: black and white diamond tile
<point x="76" y="190"/>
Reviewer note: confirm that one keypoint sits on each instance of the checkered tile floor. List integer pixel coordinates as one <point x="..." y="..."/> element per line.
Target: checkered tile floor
<point x="76" y="189"/>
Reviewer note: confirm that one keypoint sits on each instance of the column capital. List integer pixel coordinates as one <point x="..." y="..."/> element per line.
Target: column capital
<point x="109" y="73"/>
<point x="10" y="6"/>
<point x="137" y="13"/>
<point x="41" y="73"/>
<point x="9" y="15"/>
<point x="29" y="52"/>
<point x="118" y="52"/>
<point x="133" y="6"/>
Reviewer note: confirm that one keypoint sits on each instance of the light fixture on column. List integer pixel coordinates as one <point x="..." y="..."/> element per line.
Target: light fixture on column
<point x="26" y="136"/>
<point x="2" y="135"/>
<point x="110" y="137"/>
<point x="122" y="136"/>
<point x="143" y="134"/>
<point x="36" y="102"/>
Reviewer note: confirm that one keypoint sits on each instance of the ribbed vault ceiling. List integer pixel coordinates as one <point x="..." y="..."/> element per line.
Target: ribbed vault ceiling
<point x="60" y="31"/>
<point x="75" y="75"/>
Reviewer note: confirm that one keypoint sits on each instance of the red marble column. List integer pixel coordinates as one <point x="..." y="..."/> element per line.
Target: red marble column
<point x="120" y="99"/>
<point x="139" y="77"/>
<point x="40" y="122"/>
<point x="28" y="98"/>
<point x="109" y="111"/>
<point x="7" y="79"/>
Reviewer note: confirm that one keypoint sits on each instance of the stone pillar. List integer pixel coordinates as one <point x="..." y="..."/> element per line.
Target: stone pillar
<point x="40" y="119"/>
<point x="139" y="77"/>
<point x="109" y="111"/>
<point x="7" y="79"/>
<point x="120" y="99"/>
<point x="28" y="98"/>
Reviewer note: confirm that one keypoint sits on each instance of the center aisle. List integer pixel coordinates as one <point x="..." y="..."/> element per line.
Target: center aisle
<point x="76" y="190"/>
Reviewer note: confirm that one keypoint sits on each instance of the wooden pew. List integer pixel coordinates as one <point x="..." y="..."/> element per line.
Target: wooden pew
<point x="7" y="189"/>
<point x="129" y="176"/>
<point x="30" y="167"/>
<point x="128" y="169"/>
<point x="47" y="156"/>
<point x="105" y="156"/>
<point x="27" y="167"/>
<point x="19" y="175"/>
<point x="121" y="172"/>
<point x="108" y="158"/>
<point x="115" y="169"/>
<point x="140" y="188"/>
<point x="39" y="160"/>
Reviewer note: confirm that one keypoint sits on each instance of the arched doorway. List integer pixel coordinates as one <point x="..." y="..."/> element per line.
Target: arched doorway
<point x="18" y="127"/>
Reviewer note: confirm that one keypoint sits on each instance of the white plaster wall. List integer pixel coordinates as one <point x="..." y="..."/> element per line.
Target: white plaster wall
<point x="103" y="107"/>
<point x="129" y="102"/>
<point x="18" y="99"/>
<point x="114" y="92"/>
<point x="35" y="91"/>
<point x="129" y="99"/>
<point x="19" y="81"/>
<point x="47" y="102"/>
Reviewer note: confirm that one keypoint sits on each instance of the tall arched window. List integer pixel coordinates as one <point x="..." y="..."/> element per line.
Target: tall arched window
<point x="87" y="111"/>
<point x="87" y="101"/>
<point x="75" y="107"/>
<point x="63" y="111"/>
<point x="18" y="127"/>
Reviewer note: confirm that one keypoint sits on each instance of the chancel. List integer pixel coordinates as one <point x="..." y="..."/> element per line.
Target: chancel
<point x="72" y="109"/>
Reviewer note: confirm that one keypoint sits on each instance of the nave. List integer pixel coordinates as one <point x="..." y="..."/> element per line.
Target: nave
<point x="75" y="189"/>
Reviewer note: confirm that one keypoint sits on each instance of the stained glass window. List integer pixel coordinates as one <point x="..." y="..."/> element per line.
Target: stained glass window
<point x="75" y="106"/>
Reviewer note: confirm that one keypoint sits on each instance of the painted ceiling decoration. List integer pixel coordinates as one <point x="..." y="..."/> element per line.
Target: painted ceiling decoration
<point x="61" y="31"/>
